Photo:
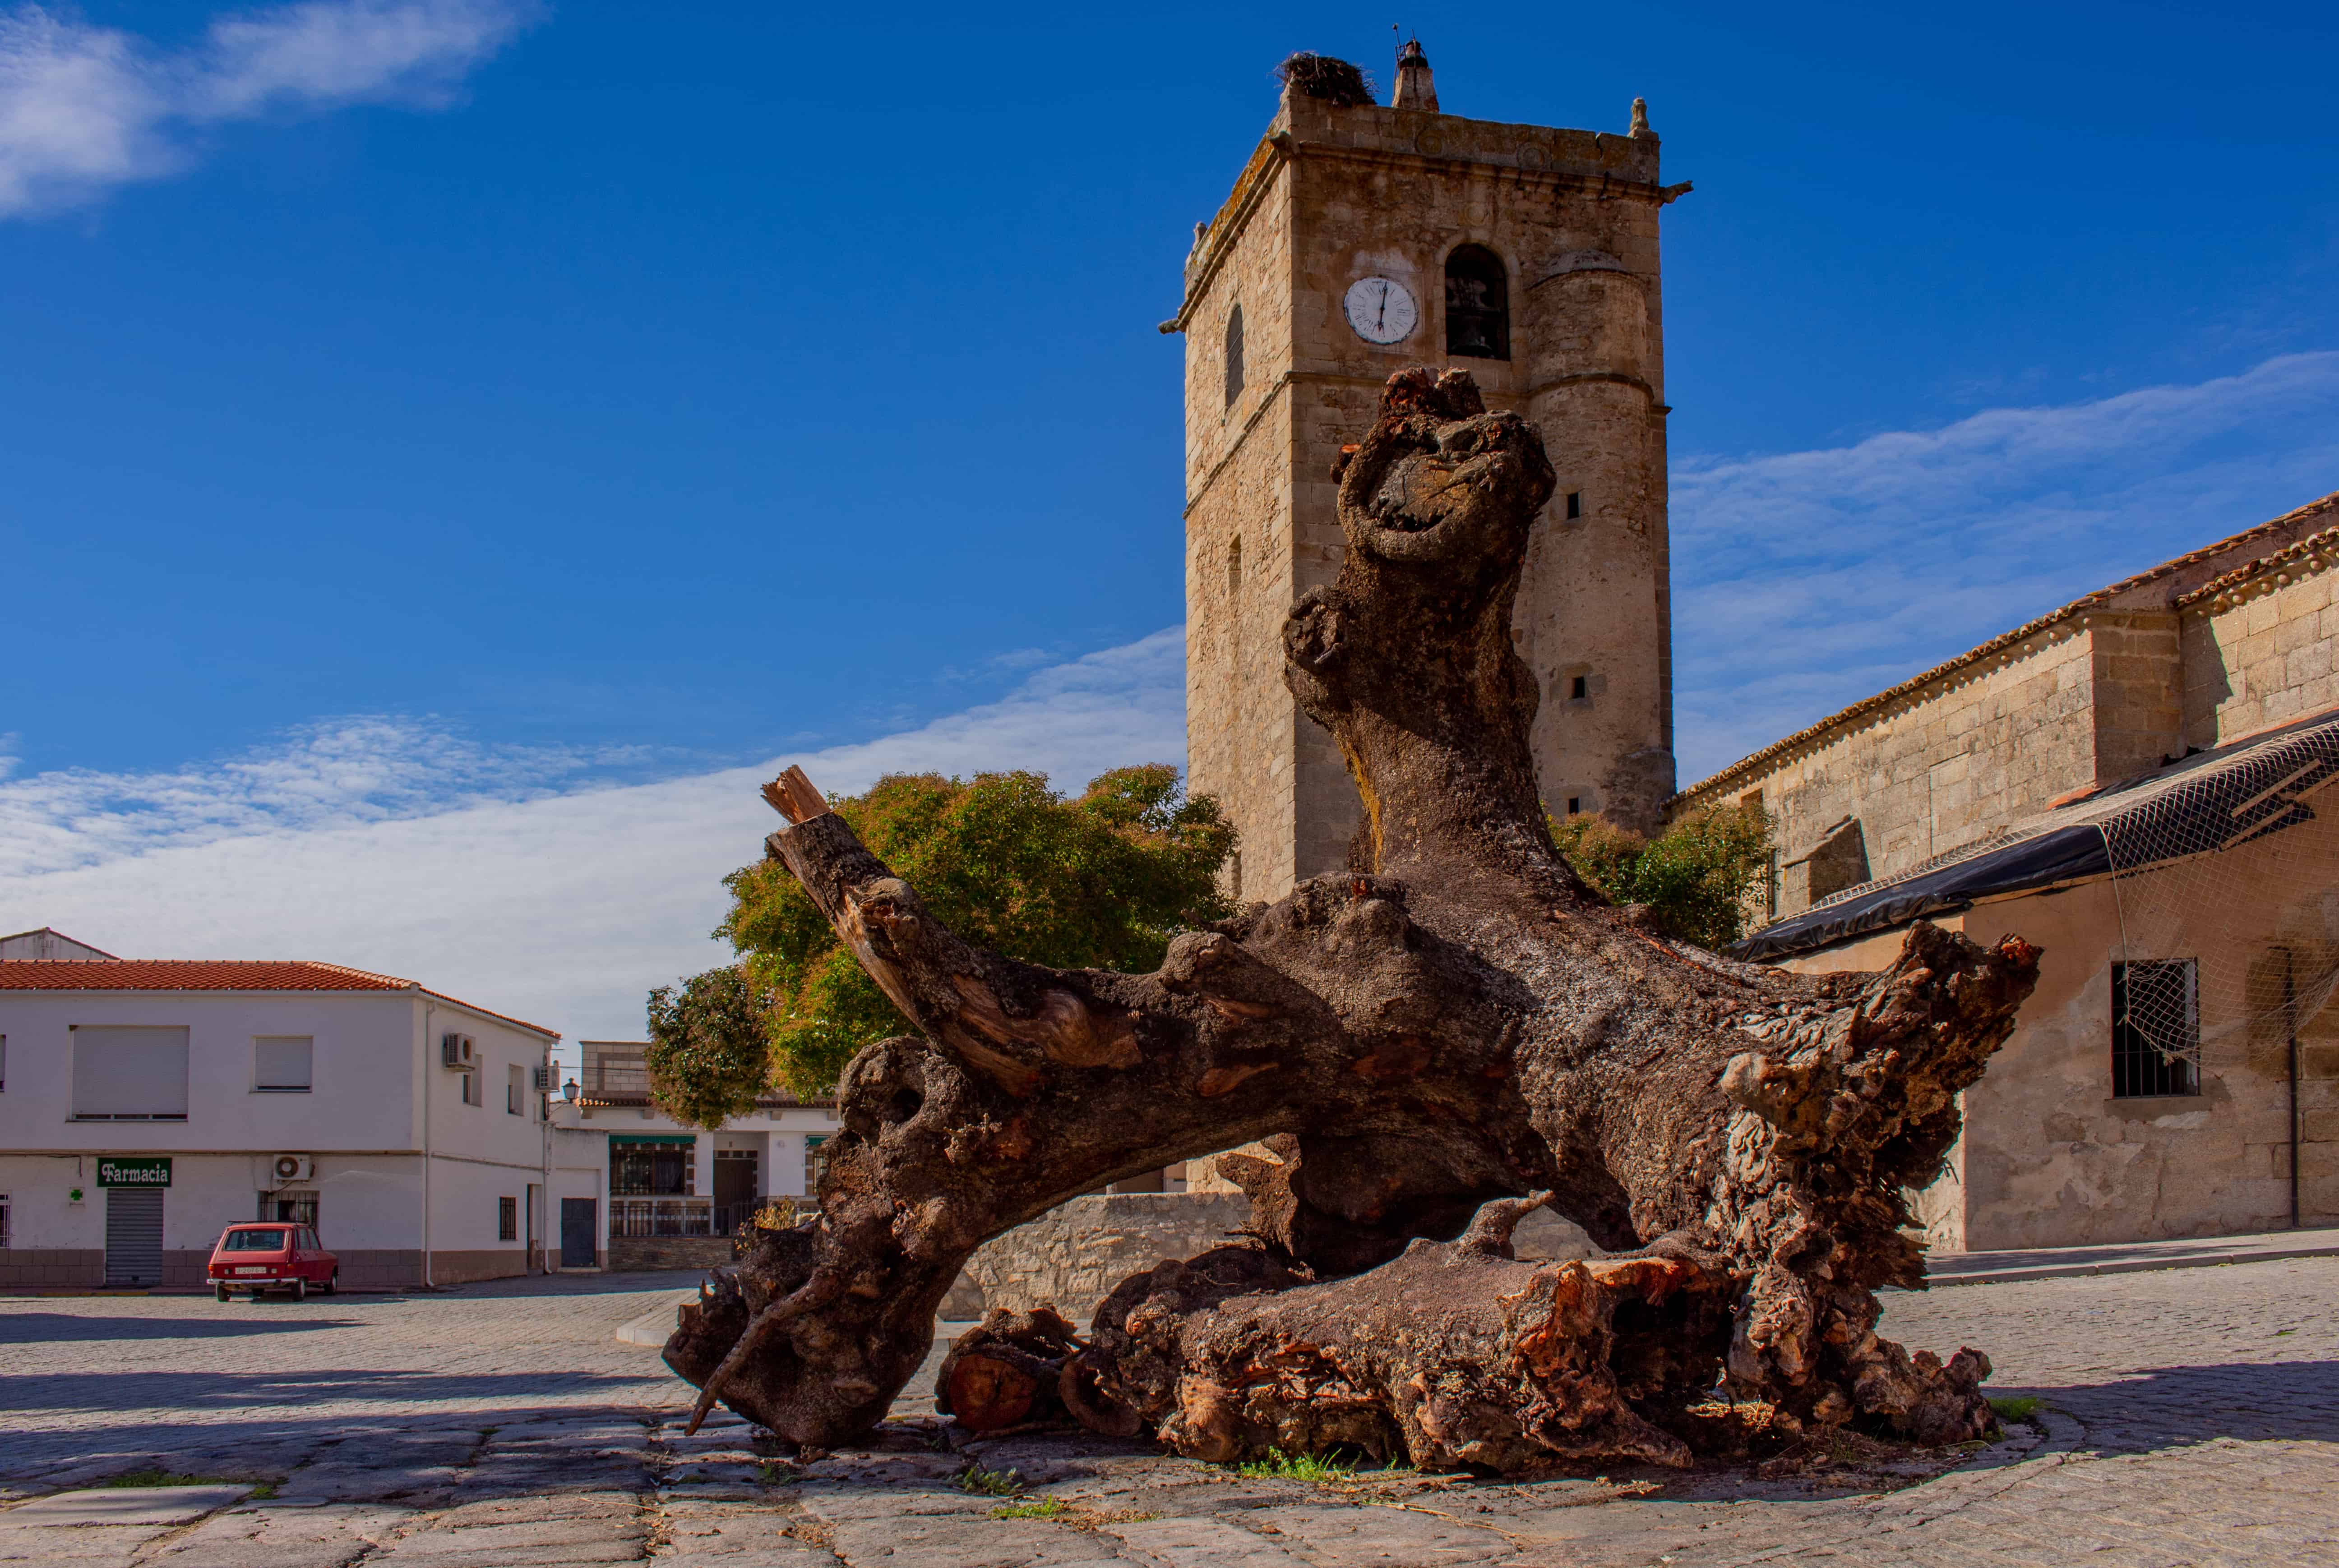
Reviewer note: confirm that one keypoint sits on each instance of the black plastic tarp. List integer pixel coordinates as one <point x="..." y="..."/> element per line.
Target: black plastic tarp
<point x="2060" y="854"/>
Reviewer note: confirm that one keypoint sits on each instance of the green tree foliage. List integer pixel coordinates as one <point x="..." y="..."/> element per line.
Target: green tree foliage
<point x="710" y="1052"/>
<point x="1101" y="882"/>
<point x="1696" y="877"/>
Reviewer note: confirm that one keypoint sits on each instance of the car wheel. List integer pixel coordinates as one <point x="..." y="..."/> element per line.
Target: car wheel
<point x="333" y="1282"/>
<point x="300" y="1290"/>
<point x="223" y="1293"/>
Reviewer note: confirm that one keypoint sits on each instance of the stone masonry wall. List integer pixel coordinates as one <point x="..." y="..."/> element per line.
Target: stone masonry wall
<point x="634" y="1254"/>
<point x="1072" y="1256"/>
<point x="1243" y="724"/>
<point x="1332" y="195"/>
<point x="2226" y="640"/>
<point x="1940" y="770"/>
<point x="2259" y="652"/>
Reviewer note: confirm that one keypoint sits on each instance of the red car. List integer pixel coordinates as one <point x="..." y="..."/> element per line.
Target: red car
<point x="271" y="1257"/>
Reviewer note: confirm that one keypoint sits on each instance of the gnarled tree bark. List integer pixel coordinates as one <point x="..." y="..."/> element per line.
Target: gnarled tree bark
<point x="1455" y="1024"/>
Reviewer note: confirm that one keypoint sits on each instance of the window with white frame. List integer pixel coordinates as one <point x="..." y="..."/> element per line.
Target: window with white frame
<point x="472" y="1093"/>
<point x="283" y="1063"/>
<point x="516" y="1091"/>
<point x="129" y="1074"/>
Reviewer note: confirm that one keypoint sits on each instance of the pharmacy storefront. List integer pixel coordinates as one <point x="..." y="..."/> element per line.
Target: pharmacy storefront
<point x="134" y="1187"/>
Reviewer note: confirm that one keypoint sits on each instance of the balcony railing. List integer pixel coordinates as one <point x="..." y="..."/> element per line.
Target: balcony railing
<point x="639" y="1217"/>
<point x="652" y="1217"/>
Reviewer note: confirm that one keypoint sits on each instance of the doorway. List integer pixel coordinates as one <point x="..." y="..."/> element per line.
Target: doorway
<point x="580" y="1233"/>
<point x="133" y="1236"/>
<point x="735" y="1189"/>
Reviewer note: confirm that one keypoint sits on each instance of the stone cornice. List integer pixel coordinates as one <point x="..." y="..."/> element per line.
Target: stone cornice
<point x="1227" y="224"/>
<point x="1284" y="146"/>
<point x="2313" y="553"/>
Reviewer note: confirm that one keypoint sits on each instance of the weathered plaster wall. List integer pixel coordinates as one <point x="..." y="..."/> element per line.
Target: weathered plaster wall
<point x="2051" y="1159"/>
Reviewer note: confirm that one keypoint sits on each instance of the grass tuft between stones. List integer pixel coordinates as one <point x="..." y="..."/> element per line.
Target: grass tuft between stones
<point x="986" y="1483"/>
<point x="1281" y="1467"/>
<point x="1032" y="1508"/>
<point x="2016" y="1407"/>
<point x="154" y="1475"/>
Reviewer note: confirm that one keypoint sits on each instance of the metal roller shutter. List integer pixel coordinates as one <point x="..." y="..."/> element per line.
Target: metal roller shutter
<point x="133" y="1236"/>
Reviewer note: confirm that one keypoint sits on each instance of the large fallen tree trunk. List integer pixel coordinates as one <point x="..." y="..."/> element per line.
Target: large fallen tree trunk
<point x="1457" y="1021"/>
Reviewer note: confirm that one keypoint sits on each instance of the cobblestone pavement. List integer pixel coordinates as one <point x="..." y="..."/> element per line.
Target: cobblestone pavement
<point x="2191" y="1417"/>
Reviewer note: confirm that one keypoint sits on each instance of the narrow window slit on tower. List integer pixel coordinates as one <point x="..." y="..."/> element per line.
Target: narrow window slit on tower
<point x="1574" y="805"/>
<point x="1234" y="566"/>
<point x="1234" y="355"/>
<point x="1575" y="505"/>
<point x="1578" y="688"/>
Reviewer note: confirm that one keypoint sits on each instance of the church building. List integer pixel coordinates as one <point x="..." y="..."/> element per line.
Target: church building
<point x="1361" y="239"/>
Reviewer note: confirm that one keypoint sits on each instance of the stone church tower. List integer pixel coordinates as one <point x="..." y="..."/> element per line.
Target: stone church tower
<point x="1360" y="239"/>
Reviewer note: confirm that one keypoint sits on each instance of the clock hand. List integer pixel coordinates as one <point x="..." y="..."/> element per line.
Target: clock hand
<point x="1380" y="322"/>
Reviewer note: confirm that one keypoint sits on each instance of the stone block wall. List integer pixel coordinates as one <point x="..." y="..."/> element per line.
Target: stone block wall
<point x="2230" y="639"/>
<point x="2258" y="653"/>
<point x="1936" y="769"/>
<point x="1072" y="1256"/>
<point x="638" y="1254"/>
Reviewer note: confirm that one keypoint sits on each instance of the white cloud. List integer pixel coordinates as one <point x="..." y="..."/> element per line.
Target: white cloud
<point x="564" y="908"/>
<point x="84" y="108"/>
<point x="1805" y="581"/>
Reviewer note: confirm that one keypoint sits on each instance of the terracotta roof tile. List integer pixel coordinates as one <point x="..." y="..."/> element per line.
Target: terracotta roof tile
<point x="216" y="974"/>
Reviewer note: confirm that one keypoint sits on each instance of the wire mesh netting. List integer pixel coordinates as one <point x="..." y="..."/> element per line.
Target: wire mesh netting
<point x="2226" y="887"/>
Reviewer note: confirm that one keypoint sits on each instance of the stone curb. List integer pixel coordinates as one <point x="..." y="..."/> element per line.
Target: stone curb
<point x="653" y="1327"/>
<point x="2078" y="1268"/>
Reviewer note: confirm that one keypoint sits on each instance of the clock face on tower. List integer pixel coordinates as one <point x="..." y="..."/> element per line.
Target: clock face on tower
<point x="1380" y="309"/>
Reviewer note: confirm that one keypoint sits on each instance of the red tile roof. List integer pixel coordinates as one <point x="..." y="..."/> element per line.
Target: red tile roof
<point x="216" y="974"/>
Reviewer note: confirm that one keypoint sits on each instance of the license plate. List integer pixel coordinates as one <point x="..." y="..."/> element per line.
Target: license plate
<point x="255" y="1271"/>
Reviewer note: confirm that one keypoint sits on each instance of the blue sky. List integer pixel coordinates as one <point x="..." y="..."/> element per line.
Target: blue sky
<point x="416" y="409"/>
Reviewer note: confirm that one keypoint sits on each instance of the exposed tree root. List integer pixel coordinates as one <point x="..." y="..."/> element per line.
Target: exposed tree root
<point x="1456" y="1023"/>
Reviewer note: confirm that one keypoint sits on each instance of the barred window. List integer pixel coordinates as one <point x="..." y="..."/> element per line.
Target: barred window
<point x="2156" y="1029"/>
<point x="288" y="1209"/>
<point x="507" y="1219"/>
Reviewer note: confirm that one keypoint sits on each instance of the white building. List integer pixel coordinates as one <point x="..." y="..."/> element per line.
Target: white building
<point x="147" y="1104"/>
<point x="668" y="1184"/>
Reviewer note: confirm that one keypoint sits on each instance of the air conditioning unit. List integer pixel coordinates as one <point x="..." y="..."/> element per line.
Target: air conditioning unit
<point x="458" y="1052"/>
<point x="290" y="1169"/>
<point x="539" y="1079"/>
